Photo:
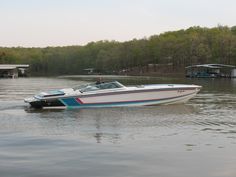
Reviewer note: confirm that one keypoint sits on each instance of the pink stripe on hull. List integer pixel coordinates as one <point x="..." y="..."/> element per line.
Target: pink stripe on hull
<point x="79" y="101"/>
<point x="149" y="100"/>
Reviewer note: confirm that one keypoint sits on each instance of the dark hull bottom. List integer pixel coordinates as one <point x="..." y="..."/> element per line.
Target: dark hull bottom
<point x="41" y="104"/>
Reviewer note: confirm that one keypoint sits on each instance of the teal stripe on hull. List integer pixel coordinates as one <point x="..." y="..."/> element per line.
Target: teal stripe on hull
<point x="69" y="102"/>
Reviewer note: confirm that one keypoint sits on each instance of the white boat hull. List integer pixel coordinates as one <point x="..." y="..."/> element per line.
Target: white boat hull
<point x="123" y="96"/>
<point x="156" y="97"/>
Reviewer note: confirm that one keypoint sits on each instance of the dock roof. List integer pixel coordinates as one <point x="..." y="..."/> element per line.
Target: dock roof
<point x="213" y="66"/>
<point x="13" y="66"/>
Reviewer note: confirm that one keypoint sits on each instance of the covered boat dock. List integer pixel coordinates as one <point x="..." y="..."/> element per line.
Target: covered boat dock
<point x="13" y="70"/>
<point x="211" y="71"/>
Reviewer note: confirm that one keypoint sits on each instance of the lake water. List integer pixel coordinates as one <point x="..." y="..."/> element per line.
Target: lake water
<point x="188" y="140"/>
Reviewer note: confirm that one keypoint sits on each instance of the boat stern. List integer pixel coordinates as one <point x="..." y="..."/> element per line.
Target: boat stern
<point x="34" y="102"/>
<point x="46" y="99"/>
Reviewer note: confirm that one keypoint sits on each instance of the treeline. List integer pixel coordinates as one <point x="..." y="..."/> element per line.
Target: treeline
<point x="195" y="45"/>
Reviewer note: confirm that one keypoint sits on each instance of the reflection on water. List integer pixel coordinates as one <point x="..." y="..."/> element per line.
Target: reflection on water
<point x="112" y="123"/>
<point x="193" y="139"/>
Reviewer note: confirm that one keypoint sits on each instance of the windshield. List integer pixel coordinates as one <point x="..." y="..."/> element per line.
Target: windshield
<point x="102" y="86"/>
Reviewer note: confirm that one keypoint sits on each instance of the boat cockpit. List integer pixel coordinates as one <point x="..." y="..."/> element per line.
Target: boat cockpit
<point x="98" y="86"/>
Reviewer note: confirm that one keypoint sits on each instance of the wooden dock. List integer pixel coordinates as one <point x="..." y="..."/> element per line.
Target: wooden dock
<point x="13" y="70"/>
<point x="211" y="71"/>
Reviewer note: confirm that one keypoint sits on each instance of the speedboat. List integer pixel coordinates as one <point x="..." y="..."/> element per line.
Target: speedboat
<point x="113" y="94"/>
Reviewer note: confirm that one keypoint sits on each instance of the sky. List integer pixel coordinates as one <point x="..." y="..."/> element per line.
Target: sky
<point x="42" y="23"/>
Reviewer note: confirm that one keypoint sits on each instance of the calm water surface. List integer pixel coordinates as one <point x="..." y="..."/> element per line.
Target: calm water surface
<point x="188" y="140"/>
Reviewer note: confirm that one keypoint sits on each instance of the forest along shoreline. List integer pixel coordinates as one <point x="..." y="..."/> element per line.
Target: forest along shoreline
<point x="166" y="54"/>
